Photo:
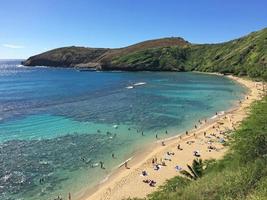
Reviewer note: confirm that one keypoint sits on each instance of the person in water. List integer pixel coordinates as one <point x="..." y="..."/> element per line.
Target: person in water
<point x="113" y="156"/>
<point x="142" y="133"/>
<point x="41" y="181"/>
<point x="102" y="165"/>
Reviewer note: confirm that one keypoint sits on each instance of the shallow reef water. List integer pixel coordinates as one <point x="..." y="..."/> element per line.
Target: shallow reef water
<point x="57" y="124"/>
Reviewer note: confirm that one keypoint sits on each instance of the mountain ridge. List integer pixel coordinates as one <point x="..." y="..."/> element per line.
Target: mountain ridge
<point x="246" y="55"/>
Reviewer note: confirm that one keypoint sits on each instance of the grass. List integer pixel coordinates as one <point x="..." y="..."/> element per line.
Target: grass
<point x="240" y="175"/>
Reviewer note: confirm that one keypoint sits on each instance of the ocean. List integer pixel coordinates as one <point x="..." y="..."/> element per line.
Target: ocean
<point x="57" y="124"/>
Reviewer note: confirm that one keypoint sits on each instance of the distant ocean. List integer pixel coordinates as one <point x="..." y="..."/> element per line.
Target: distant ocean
<point x="57" y="124"/>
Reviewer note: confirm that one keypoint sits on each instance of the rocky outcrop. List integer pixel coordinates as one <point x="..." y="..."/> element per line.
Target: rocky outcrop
<point x="67" y="57"/>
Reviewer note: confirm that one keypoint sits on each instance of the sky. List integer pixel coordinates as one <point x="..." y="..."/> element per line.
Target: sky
<point x="28" y="27"/>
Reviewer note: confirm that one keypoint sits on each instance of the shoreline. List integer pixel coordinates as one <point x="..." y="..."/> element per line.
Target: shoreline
<point x="122" y="183"/>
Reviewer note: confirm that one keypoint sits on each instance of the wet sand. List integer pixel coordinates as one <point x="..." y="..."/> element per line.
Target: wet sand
<point x="128" y="182"/>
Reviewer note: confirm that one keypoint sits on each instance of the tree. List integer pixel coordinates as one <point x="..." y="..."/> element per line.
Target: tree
<point x="195" y="171"/>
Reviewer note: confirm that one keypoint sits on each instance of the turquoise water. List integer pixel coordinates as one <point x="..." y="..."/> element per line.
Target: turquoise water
<point x="56" y="125"/>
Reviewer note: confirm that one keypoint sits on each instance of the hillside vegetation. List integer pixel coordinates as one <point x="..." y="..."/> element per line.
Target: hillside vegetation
<point x="240" y="175"/>
<point x="243" y="56"/>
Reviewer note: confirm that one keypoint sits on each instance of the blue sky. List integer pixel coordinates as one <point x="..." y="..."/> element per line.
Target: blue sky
<point x="28" y="27"/>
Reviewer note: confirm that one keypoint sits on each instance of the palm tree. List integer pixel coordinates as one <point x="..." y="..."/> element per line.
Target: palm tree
<point x="195" y="171"/>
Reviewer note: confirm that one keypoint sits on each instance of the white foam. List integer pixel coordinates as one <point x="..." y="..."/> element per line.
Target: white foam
<point x="221" y="113"/>
<point x="214" y="117"/>
<point x="218" y="114"/>
<point x="105" y="179"/>
<point x="140" y="83"/>
<point x="124" y="162"/>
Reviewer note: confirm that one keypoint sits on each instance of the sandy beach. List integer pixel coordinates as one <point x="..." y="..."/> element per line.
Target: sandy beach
<point x="207" y="139"/>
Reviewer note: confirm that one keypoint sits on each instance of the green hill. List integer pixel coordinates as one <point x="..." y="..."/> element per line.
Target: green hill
<point x="243" y="56"/>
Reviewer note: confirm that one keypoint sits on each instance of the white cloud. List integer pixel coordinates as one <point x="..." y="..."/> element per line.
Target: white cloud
<point x="12" y="46"/>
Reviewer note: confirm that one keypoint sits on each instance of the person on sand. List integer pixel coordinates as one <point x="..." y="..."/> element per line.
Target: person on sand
<point x="126" y="165"/>
<point x="180" y="137"/>
<point x="195" y="126"/>
<point x="69" y="196"/>
<point x="170" y="153"/>
<point x="167" y="157"/>
<point x="162" y="162"/>
<point x="179" y="147"/>
<point x="196" y="153"/>
<point x="186" y="132"/>
<point x="146" y="181"/>
<point x="204" y="133"/>
<point x="163" y="143"/>
<point x="144" y="173"/>
<point x="153" y="161"/>
<point x="190" y="142"/>
<point x="152" y="183"/>
<point x="156" y="167"/>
